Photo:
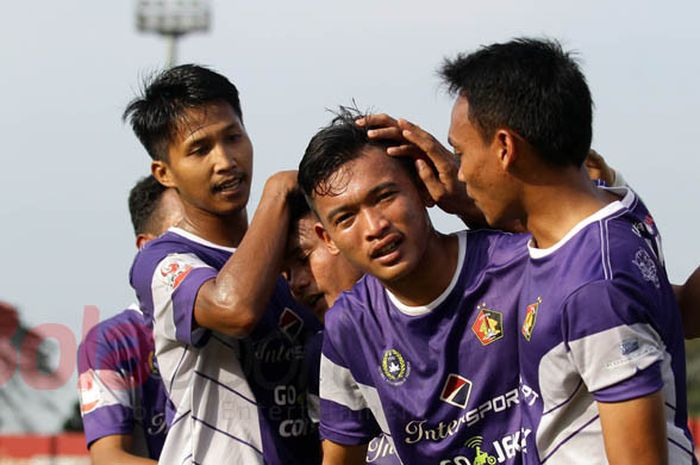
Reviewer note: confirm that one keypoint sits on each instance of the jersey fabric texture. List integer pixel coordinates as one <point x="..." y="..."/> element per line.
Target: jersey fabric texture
<point x="380" y="450"/>
<point x="234" y="400"/>
<point x="439" y="381"/>
<point x="121" y="392"/>
<point x="599" y="322"/>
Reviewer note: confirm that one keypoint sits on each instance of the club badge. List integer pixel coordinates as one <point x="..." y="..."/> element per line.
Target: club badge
<point x="530" y="319"/>
<point x="488" y="325"/>
<point x="394" y="367"/>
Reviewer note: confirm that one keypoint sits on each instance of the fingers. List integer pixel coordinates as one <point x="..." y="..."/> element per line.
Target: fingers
<point x="440" y="156"/>
<point x="376" y="120"/>
<point x="436" y="189"/>
<point x="391" y="133"/>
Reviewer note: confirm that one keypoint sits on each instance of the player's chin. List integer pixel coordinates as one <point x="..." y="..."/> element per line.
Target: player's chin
<point x="395" y="272"/>
<point x="229" y="207"/>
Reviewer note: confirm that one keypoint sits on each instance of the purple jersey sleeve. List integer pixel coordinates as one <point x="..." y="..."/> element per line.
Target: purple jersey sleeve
<point x="104" y="393"/>
<point x="345" y="415"/>
<point x="612" y="342"/>
<point x="175" y="284"/>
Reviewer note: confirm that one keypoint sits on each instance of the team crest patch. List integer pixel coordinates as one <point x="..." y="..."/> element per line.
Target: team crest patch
<point x="174" y="272"/>
<point x="394" y="368"/>
<point x="456" y="391"/>
<point x="647" y="267"/>
<point x="290" y="323"/>
<point x="530" y="319"/>
<point x="488" y="325"/>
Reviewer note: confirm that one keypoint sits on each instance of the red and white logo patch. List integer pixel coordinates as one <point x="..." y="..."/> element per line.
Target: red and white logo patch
<point x="456" y="391"/>
<point x="290" y="323"/>
<point x="174" y="271"/>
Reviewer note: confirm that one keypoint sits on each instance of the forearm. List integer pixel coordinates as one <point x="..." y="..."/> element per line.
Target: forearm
<point x="338" y="454"/>
<point x="634" y="431"/>
<point x="235" y="300"/>
<point x="688" y="297"/>
<point x="112" y="450"/>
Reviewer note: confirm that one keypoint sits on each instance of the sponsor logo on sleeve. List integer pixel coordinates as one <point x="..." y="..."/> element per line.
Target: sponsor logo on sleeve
<point x="394" y="367"/>
<point x="89" y="392"/>
<point x="456" y="391"/>
<point x="530" y="319"/>
<point x="647" y="267"/>
<point x="488" y="325"/>
<point x="290" y="323"/>
<point x="173" y="271"/>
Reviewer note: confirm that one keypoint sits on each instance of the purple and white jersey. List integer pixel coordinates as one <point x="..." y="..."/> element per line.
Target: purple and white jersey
<point x="120" y="388"/>
<point x="234" y="400"/>
<point x="439" y="381"/>
<point x="599" y="322"/>
<point x="380" y="450"/>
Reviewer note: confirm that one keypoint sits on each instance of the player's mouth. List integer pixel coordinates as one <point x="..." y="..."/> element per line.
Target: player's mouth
<point x="230" y="186"/>
<point x="387" y="251"/>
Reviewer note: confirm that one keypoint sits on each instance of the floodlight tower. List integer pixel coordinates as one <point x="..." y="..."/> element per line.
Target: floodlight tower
<point x="172" y="19"/>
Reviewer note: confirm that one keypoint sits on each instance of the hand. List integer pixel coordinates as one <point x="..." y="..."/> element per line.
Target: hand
<point x="598" y="169"/>
<point x="437" y="167"/>
<point x="281" y="183"/>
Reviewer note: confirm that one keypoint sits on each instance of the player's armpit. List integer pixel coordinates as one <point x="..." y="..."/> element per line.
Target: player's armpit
<point x="634" y="431"/>
<point x="338" y="454"/>
<point x="114" y="450"/>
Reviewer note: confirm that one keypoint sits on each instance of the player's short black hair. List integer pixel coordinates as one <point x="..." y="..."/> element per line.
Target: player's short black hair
<point x="341" y="142"/>
<point x="144" y="199"/>
<point x="531" y="86"/>
<point x="298" y="207"/>
<point x="154" y="114"/>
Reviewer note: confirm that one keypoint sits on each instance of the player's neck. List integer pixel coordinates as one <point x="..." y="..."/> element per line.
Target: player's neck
<point x="554" y="208"/>
<point x="227" y="231"/>
<point x="432" y="275"/>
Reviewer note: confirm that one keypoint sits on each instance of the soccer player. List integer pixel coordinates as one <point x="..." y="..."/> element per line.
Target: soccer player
<point x="422" y="349"/>
<point x="317" y="276"/>
<point x="229" y="337"/>
<point x="600" y="339"/>
<point x="122" y="398"/>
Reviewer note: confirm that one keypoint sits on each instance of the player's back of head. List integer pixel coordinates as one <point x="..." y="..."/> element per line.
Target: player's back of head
<point x="144" y="200"/>
<point x="333" y="146"/>
<point x="532" y="87"/>
<point x="156" y="113"/>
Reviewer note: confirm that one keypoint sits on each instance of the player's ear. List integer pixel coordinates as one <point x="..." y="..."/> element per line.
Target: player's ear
<point x="327" y="241"/>
<point x="506" y="146"/>
<point x="161" y="171"/>
<point x="143" y="238"/>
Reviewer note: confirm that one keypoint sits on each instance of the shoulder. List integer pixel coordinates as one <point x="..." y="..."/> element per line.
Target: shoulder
<point x="354" y="308"/>
<point x="491" y="248"/>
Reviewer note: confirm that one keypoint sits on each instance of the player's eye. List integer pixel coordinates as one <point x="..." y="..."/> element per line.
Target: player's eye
<point x="343" y="220"/>
<point x="200" y="149"/>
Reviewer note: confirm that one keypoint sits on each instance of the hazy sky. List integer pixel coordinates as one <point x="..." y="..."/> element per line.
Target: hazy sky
<point x="69" y="67"/>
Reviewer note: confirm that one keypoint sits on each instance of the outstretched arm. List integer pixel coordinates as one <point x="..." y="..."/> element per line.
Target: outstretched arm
<point x="436" y="165"/>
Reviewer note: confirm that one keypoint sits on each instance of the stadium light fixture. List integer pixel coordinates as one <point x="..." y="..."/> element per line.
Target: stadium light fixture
<point x="172" y="19"/>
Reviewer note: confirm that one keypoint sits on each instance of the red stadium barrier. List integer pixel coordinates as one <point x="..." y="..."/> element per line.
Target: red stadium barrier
<point x="36" y="450"/>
